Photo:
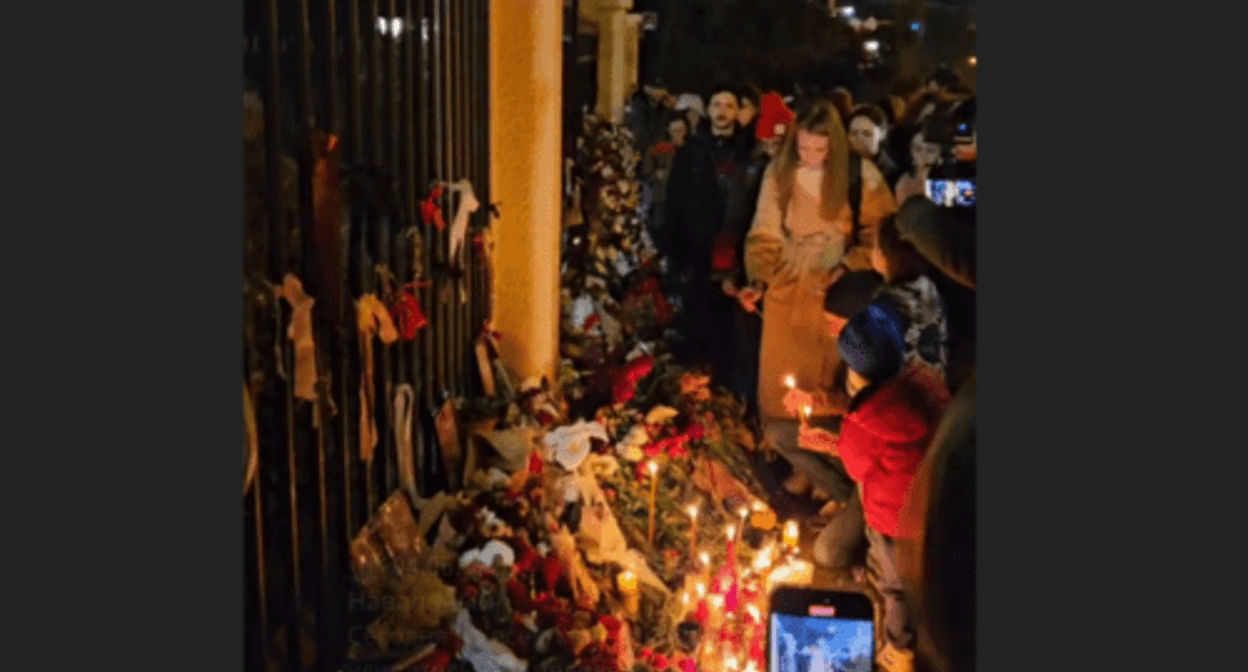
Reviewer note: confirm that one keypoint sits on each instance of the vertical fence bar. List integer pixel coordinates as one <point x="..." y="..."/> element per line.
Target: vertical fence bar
<point x="356" y="134"/>
<point x="463" y="121"/>
<point x="307" y="122"/>
<point x="409" y="208"/>
<point x="397" y="235"/>
<point x="436" y="238"/>
<point x="483" y="113"/>
<point x="448" y="382"/>
<point x="373" y="151"/>
<point x="427" y="294"/>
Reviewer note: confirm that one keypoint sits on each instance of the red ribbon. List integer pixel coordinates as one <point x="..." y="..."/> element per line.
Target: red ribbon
<point x="430" y="212"/>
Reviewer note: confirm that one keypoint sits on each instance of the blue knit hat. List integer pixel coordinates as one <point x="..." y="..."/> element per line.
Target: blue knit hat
<point x="873" y="341"/>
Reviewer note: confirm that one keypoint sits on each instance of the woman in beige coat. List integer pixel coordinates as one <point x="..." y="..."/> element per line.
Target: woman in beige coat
<point x="802" y="240"/>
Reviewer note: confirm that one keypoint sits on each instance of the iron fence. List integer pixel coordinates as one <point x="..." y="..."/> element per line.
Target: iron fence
<point x="365" y="106"/>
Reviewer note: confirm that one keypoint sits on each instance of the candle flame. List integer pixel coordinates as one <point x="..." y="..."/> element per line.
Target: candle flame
<point x="758" y="506"/>
<point x="732" y="531"/>
<point x="693" y="510"/>
<point x="701" y="587"/>
<point x="706" y="558"/>
<point x="754" y="612"/>
<point x="790" y="381"/>
<point x="743" y="512"/>
<point x="653" y="467"/>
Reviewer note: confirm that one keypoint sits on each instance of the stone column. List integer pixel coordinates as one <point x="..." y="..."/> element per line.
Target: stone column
<point x="526" y="104"/>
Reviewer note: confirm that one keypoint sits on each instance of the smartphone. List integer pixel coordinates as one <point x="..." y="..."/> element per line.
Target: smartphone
<point x="812" y="630"/>
<point x="952" y="193"/>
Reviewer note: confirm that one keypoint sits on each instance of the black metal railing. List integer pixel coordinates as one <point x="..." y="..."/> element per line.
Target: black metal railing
<point x="371" y="102"/>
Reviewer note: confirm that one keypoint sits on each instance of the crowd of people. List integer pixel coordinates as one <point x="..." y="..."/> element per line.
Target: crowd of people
<point x="821" y="253"/>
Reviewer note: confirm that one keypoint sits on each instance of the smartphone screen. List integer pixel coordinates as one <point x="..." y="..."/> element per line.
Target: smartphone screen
<point x="826" y="634"/>
<point x="952" y="193"/>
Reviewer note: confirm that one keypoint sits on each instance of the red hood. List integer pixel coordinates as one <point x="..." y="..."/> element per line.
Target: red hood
<point x="889" y="413"/>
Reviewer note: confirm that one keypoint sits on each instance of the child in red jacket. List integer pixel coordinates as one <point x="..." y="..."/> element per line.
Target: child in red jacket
<point x="895" y="406"/>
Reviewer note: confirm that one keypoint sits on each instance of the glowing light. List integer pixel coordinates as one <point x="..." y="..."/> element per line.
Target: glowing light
<point x="790" y="381"/>
<point x="758" y="506"/>
<point x="731" y="531"/>
<point x="717" y="601"/>
<point x="762" y="561"/>
<point x="743" y="512"/>
<point x="754" y="614"/>
<point x="652" y="467"/>
<point x="701" y="588"/>
<point x="847" y="11"/>
<point x="916" y="26"/>
<point x="693" y="510"/>
<point x="706" y="558"/>
<point x="971" y="60"/>
<point x="732" y="664"/>
<point x="790" y="534"/>
<point x="872" y="46"/>
<point x="684" y="599"/>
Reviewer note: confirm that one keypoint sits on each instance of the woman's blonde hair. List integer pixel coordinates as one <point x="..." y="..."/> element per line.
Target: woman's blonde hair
<point x="820" y="118"/>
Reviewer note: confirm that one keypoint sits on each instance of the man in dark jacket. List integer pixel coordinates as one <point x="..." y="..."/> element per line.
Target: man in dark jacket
<point x="647" y="115"/>
<point x="711" y="197"/>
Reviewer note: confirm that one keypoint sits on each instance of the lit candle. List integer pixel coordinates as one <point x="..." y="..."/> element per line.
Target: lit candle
<point x="701" y="588"/>
<point x="731" y="532"/>
<point x="806" y="411"/>
<point x="790" y="534"/>
<point x="754" y="613"/>
<point x="627" y="583"/>
<point x="653" y="467"/>
<point x="716" y="602"/>
<point x="706" y="558"/>
<point x="790" y="381"/>
<point x="693" y="529"/>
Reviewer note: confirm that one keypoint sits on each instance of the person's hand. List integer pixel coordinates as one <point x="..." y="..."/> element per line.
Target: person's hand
<point x="749" y="298"/>
<point x="817" y="440"/>
<point x="728" y="288"/>
<point x="795" y="400"/>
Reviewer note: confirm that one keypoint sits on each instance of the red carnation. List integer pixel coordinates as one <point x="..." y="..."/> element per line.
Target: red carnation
<point x="552" y="569"/>
<point x="519" y="594"/>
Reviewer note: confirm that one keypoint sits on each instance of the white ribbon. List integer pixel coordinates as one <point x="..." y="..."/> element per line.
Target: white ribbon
<point x="404" y="400"/>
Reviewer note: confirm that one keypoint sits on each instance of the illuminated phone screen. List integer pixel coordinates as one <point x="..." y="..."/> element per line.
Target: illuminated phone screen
<point x="820" y="643"/>
<point x="952" y="193"/>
